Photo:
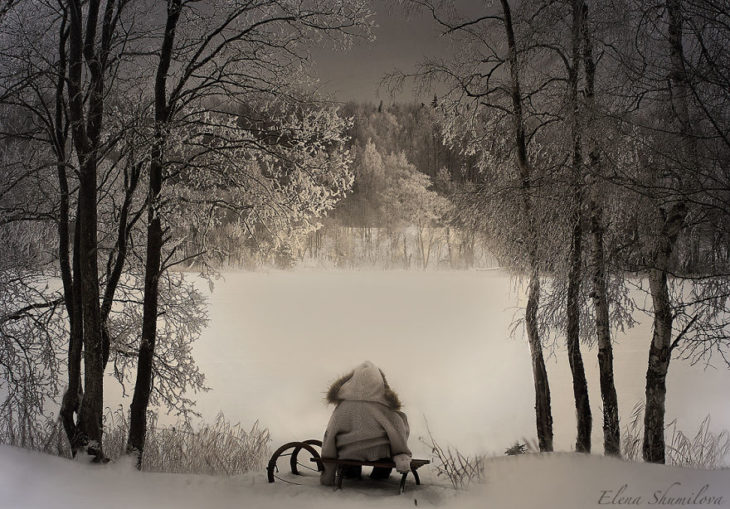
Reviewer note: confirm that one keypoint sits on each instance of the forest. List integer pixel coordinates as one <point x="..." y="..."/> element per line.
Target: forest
<point x="582" y="146"/>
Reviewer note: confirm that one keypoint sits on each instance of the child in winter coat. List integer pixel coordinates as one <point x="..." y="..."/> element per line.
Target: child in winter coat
<point x="366" y="425"/>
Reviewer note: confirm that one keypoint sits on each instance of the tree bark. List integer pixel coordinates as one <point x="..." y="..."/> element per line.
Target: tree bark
<point x="90" y="415"/>
<point x="671" y="224"/>
<point x="86" y="115"/>
<point x="543" y="412"/>
<point x="449" y="247"/>
<point x="71" y="288"/>
<point x="143" y="384"/>
<point x="575" y="359"/>
<point x="406" y="260"/>
<point x="74" y="392"/>
<point x="86" y="136"/>
<point x="599" y="292"/>
<point x="660" y="349"/>
<point x="661" y="343"/>
<point x="114" y="270"/>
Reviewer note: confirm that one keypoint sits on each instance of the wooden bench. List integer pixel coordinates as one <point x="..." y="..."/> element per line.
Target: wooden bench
<point x="340" y="464"/>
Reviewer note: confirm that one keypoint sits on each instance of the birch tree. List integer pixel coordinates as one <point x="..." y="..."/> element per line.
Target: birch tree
<point x="668" y="111"/>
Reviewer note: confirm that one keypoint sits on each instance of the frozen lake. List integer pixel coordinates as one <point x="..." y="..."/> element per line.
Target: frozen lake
<point x="276" y="340"/>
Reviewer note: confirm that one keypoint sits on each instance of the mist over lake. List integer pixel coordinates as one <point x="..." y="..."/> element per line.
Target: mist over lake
<point x="276" y="340"/>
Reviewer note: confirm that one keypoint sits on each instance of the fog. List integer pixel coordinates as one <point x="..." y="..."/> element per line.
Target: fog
<point x="276" y="340"/>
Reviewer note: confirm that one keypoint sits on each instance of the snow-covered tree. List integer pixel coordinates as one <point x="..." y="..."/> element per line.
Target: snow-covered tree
<point x="235" y="133"/>
<point x="408" y="200"/>
<point x="278" y="166"/>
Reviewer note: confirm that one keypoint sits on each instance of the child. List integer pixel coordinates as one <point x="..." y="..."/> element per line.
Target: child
<point x="366" y="425"/>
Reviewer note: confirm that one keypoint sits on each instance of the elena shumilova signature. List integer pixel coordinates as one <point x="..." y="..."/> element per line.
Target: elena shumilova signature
<point x="676" y="494"/>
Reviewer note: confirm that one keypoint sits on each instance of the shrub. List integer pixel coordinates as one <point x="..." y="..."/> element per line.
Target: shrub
<point x="516" y="449"/>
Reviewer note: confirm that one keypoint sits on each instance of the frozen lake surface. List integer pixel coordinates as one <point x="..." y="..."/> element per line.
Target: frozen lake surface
<point x="276" y="340"/>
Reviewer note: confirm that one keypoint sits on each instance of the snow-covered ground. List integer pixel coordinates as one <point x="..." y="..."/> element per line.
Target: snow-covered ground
<point x="565" y="481"/>
<point x="276" y="340"/>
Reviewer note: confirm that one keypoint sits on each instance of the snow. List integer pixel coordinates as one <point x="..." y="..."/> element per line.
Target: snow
<point x="277" y="339"/>
<point x="568" y="481"/>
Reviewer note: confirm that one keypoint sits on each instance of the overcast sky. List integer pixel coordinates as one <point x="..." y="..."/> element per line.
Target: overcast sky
<point x="402" y="40"/>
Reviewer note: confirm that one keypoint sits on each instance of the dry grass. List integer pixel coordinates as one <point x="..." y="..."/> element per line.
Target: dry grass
<point x="705" y="449"/>
<point x="632" y="434"/>
<point x="221" y="448"/>
<point x="459" y="469"/>
<point x="37" y="433"/>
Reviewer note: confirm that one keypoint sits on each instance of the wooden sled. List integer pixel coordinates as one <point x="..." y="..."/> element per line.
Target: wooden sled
<point x="292" y="449"/>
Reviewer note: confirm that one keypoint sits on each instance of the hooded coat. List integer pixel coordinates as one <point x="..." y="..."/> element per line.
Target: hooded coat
<point x="367" y="424"/>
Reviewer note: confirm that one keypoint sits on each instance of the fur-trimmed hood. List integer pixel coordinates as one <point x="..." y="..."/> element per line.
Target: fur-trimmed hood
<point x="364" y="383"/>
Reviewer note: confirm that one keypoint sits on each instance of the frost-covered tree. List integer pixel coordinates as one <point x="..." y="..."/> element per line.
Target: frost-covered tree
<point x="670" y="104"/>
<point x="279" y="163"/>
<point x="408" y="200"/>
<point x="235" y="135"/>
<point x="35" y="63"/>
<point x="485" y="112"/>
<point x="646" y="155"/>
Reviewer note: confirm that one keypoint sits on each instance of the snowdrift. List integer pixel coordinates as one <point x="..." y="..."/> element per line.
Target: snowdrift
<point x="561" y="480"/>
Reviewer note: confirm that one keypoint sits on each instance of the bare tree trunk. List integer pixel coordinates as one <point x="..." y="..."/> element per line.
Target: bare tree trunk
<point x="580" y="385"/>
<point x="90" y="415"/>
<point x="543" y="410"/>
<point x="118" y="257"/>
<point x="421" y="247"/>
<point x="86" y="132"/>
<point x="672" y="223"/>
<point x="575" y="359"/>
<point x="599" y="292"/>
<point x="71" y="401"/>
<point x="143" y="384"/>
<point x="71" y="289"/>
<point x="431" y="235"/>
<point x="661" y="343"/>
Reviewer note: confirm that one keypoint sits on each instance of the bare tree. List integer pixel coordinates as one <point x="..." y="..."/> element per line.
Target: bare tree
<point x="485" y="95"/>
<point x="573" y="307"/>
<point x="542" y="390"/>
<point x="599" y="290"/>
<point x="673" y="220"/>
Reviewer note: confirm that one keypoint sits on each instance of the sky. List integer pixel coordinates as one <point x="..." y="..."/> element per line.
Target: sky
<point x="402" y="40"/>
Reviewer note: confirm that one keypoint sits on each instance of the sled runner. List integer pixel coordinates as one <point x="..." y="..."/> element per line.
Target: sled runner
<point x="292" y="449"/>
<point x="342" y="463"/>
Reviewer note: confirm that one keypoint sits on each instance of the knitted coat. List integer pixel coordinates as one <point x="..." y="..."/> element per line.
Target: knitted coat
<point x="367" y="423"/>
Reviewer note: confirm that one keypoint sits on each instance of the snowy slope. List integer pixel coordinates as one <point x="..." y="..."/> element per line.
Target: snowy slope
<point x="568" y="481"/>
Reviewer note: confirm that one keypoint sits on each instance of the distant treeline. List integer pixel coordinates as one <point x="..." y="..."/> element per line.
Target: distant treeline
<point x="414" y="203"/>
<point x="399" y="212"/>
